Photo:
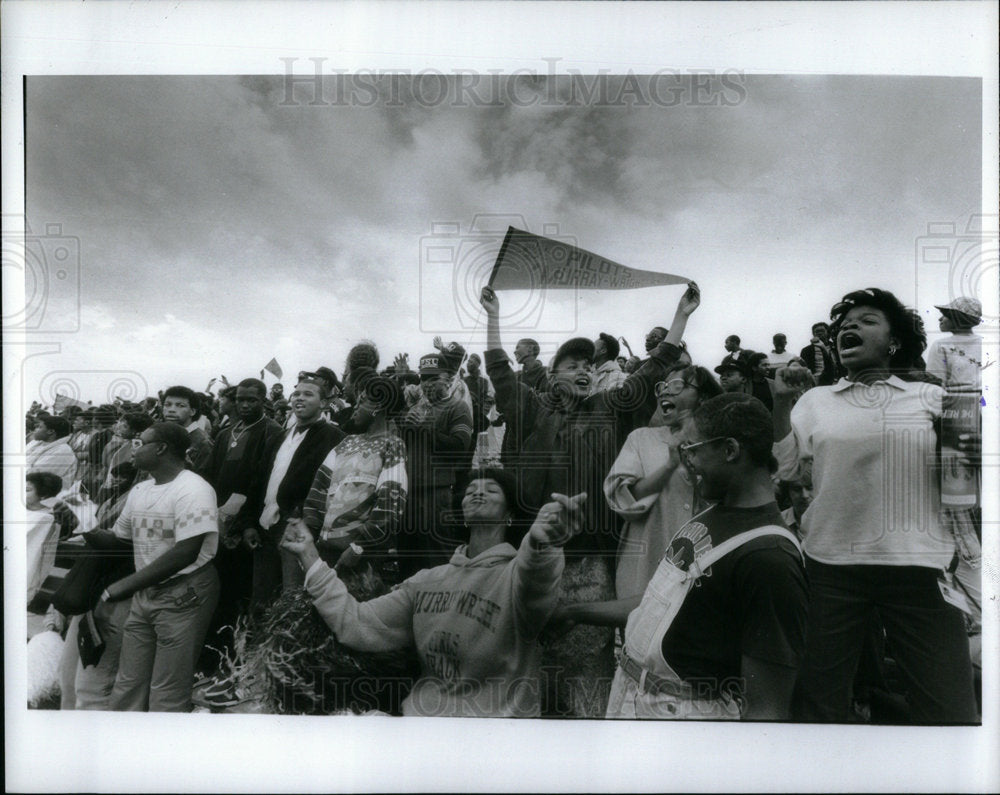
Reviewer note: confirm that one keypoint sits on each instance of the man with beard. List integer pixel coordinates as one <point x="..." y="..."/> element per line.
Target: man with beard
<point x="359" y="491"/>
<point x="292" y="461"/>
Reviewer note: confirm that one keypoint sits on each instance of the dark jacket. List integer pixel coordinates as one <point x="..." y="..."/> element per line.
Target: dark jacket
<point x="829" y="374"/>
<point x="245" y="474"/>
<point x="570" y="448"/>
<point x="321" y="438"/>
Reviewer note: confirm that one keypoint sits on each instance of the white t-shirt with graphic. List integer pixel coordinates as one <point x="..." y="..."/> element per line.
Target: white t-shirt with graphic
<point x="156" y="517"/>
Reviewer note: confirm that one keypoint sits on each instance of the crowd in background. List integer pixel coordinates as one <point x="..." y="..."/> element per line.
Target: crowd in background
<point x="524" y="524"/>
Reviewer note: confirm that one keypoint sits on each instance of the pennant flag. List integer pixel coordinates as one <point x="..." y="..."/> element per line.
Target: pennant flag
<point x="273" y="367"/>
<point x="62" y="401"/>
<point x="529" y="262"/>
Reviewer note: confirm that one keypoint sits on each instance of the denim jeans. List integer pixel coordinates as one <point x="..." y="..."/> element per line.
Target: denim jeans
<point x="925" y="635"/>
<point x="163" y="636"/>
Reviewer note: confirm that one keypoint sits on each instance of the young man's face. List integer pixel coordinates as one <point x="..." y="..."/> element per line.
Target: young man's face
<point x="820" y="333"/>
<point x="434" y="386"/>
<point x="249" y="404"/>
<point x="307" y="402"/>
<point x="706" y="458"/>
<point x="573" y="376"/>
<point x="177" y="409"/>
<point x="522" y="351"/>
<point x="145" y="450"/>
<point x="731" y="380"/>
<point x="763" y="367"/>
<point x="779" y="344"/>
<point x="654" y="338"/>
<point x="731" y="344"/>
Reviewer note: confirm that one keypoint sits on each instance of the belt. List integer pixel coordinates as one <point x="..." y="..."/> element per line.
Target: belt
<point x="653" y="683"/>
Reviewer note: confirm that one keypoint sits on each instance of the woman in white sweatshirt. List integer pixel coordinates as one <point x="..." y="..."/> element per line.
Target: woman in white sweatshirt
<point x="475" y="621"/>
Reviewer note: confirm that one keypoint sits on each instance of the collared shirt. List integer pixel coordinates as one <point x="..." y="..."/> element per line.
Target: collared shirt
<point x="282" y="460"/>
<point x="607" y="376"/>
<point x="877" y="489"/>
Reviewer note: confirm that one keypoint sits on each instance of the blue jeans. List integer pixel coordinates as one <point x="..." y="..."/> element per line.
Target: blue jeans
<point x="926" y="636"/>
<point x="162" y="638"/>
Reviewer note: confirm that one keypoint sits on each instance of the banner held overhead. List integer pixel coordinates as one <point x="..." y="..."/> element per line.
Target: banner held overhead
<point x="529" y="262"/>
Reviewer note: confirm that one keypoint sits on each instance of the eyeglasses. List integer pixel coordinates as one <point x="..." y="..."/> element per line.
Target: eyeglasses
<point x="670" y="388"/>
<point x="685" y="449"/>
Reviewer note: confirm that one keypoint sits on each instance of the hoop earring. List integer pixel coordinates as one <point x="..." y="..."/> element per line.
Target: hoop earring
<point x="892" y="350"/>
<point x="509" y="521"/>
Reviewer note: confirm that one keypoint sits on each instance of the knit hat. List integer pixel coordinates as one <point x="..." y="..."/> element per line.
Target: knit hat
<point x="971" y="308"/>
<point x="578" y="346"/>
<point x="453" y="356"/>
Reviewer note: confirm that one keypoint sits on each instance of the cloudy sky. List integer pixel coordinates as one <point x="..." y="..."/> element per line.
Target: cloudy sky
<point x="225" y="220"/>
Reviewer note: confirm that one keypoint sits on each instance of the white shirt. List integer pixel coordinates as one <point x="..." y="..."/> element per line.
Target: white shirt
<point x="56" y="457"/>
<point x="780" y="359"/>
<point x="607" y="376"/>
<point x="957" y="360"/>
<point x="282" y="460"/>
<point x="876" y="485"/>
<point x="156" y="517"/>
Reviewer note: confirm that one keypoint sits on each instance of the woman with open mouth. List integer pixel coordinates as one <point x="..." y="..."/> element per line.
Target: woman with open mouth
<point x="647" y="486"/>
<point x="873" y="539"/>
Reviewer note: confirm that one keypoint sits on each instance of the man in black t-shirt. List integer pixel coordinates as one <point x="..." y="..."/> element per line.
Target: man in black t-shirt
<point x="740" y="631"/>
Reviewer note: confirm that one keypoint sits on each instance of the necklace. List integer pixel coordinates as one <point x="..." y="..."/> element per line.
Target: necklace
<point x="243" y="430"/>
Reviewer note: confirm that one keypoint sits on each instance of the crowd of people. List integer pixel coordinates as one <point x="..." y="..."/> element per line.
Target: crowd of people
<point x="601" y="536"/>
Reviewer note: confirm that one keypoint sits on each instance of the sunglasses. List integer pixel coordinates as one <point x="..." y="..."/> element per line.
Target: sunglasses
<point x="670" y="388"/>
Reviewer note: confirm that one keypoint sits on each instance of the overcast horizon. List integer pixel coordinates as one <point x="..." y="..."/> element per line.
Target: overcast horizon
<point x="223" y="221"/>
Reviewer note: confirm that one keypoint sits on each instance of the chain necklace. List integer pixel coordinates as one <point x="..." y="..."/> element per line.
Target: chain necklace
<point x="243" y="430"/>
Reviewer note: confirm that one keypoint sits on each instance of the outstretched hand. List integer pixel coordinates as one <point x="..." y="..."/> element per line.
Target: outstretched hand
<point x="690" y="300"/>
<point x="401" y="363"/>
<point x="489" y="301"/>
<point x="558" y="521"/>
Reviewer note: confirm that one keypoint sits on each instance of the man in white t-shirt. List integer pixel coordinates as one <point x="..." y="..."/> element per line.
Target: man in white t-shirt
<point x="780" y="355"/>
<point x="172" y="523"/>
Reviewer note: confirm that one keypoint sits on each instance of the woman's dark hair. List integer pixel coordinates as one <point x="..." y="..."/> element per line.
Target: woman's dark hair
<point x="904" y="324"/>
<point x="58" y="425"/>
<point x="137" y="421"/>
<point x="47" y="484"/>
<point x="508" y="485"/>
<point x="699" y="377"/>
<point x="382" y="390"/>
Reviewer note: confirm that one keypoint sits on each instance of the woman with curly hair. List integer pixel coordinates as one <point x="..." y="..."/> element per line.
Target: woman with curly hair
<point x="873" y="539"/>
